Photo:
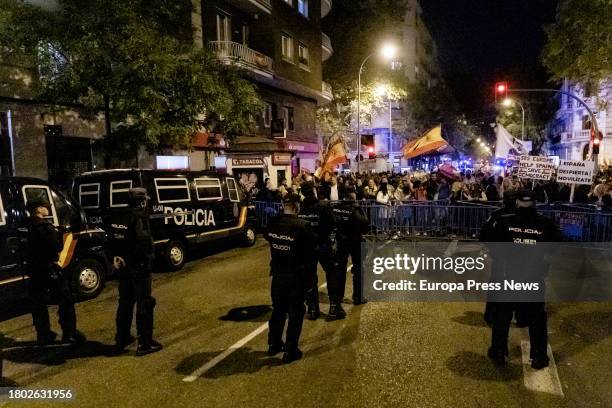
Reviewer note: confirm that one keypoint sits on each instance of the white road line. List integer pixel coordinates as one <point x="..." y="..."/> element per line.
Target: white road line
<point x="544" y="380"/>
<point x="222" y="356"/>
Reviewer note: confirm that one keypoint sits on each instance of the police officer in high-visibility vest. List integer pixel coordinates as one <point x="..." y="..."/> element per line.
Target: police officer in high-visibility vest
<point x="321" y="218"/>
<point x="352" y="224"/>
<point x="523" y="261"/>
<point x="132" y="246"/>
<point x="292" y="249"/>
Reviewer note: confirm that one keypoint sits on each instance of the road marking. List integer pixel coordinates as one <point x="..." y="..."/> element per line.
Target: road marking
<point x="240" y="343"/>
<point x="544" y="380"/>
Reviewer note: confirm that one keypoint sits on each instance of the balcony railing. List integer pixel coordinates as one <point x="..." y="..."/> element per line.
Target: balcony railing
<point x="230" y="52"/>
<point x="327" y="91"/>
<point x="326" y="44"/>
<point x="253" y="6"/>
<point x="582" y="134"/>
<point x="326" y="6"/>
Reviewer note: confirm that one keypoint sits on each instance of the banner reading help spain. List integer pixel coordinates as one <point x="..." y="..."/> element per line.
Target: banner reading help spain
<point x="536" y="167"/>
<point x="576" y="172"/>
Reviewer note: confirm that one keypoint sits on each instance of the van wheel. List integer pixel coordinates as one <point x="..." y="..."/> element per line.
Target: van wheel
<point x="175" y="255"/>
<point x="87" y="279"/>
<point x="249" y="236"/>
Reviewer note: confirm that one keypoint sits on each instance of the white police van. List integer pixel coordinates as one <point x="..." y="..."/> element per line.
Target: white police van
<point x="186" y="207"/>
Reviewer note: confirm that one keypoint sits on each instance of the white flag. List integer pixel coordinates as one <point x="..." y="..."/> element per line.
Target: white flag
<point x="509" y="145"/>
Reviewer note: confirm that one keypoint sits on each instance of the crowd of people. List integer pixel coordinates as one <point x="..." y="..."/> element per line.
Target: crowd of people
<point x="467" y="186"/>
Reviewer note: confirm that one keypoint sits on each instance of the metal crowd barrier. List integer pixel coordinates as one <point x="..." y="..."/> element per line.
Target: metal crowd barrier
<point x="461" y="220"/>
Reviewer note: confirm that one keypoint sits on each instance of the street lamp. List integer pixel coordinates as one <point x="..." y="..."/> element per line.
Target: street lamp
<point x="508" y="103"/>
<point x="387" y="52"/>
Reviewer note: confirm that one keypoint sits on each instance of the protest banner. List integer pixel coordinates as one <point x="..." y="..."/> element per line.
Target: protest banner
<point x="536" y="167"/>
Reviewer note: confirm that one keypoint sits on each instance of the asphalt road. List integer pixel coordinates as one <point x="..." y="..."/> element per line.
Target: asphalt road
<point x="383" y="354"/>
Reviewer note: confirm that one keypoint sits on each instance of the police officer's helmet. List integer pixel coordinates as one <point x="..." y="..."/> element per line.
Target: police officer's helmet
<point x="292" y="198"/>
<point x="526" y="198"/>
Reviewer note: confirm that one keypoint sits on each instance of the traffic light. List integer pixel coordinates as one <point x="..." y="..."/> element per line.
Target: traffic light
<point x="371" y="152"/>
<point x="596" y="141"/>
<point x="501" y="91"/>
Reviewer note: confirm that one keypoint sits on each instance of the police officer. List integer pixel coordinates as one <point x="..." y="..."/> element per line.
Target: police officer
<point x="292" y="244"/>
<point x="352" y="223"/>
<point x="527" y="231"/>
<point x="321" y="218"/>
<point x="47" y="282"/>
<point x="132" y="246"/>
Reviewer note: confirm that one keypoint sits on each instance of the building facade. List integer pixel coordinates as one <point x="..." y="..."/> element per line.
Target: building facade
<point x="570" y="130"/>
<point x="281" y="47"/>
<point x="418" y="59"/>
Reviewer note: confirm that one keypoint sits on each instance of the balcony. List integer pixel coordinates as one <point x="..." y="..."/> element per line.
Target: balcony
<point x="326" y="44"/>
<point x="582" y="134"/>
<point x="229" y="52"/>
<point x="327" y="91"/>
<point x="326" y="6"/>
<point x="253" y="6"/>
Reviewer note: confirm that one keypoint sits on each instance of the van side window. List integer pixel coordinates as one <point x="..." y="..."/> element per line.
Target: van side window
<point x="232" y="189"/>
<point x="208" y="189"/>
<point x="89" y="195"/>
<point x="40" y="194"/>
<point x="2" y="216"/>
<point x="119" y="193"/>
<point x="172" y="190"/>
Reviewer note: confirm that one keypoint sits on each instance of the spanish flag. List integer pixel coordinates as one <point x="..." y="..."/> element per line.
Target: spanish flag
<point x="335" y="155"/>
<point x="430" y="143"/>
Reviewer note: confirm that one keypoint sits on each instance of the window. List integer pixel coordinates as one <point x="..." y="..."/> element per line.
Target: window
<point x="232" y="189"/>
<point x="288" y="117"/>
<point x="303" y="7"/>
<point x="267" y="114"/>
<point x="2" y="216"/>
<point x="303" y="56"/>
<point x="89" y="195"/>
<point x="208" y="189"/>
<point x="67" y="215"/>
<point x="172" y="190"/>
<point x="224" y="27"/>
<point x="119" y="193"/>
<point x="39" y="194"/>
<point x="287" y="48"/>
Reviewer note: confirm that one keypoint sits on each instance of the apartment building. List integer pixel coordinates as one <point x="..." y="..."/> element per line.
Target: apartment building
<point x="569" y="131"/>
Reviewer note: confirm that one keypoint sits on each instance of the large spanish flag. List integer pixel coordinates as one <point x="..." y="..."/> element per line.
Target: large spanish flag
<point x="335" y="155"/>
<point x="430" y="143"/>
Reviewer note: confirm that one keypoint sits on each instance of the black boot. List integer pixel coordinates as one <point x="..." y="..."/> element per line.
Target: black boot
<point x="291" y="356"/>
<point x="336" y="312"/>
<point x="47" y="338"/>
<point x="122" y="342"/>
<point x="498" y="357"/>
<point x="274" y="349"/>
<point x="539" y="362"/>
<point x="147" y="347"/>
<point x="313" y="313"/>
<point x="76" y="337"/>
<point x="357" y="301"/>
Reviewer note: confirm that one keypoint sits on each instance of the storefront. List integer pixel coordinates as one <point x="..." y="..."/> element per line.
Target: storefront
<point x="305" y="157"/>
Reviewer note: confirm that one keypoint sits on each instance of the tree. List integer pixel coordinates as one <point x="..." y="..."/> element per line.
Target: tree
<point x="136" y="60"/>
<point x="579" y="45"/>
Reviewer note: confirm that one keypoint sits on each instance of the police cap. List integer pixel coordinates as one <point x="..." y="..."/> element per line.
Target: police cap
<point x="307" y="189"/>
<point x="526" y="196"/>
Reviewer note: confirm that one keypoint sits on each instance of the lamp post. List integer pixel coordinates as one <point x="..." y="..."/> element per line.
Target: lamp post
<point x="507" y="103"/>
<point x="388" y="51"/>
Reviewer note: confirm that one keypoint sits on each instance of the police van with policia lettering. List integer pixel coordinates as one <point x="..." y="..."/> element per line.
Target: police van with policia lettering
<point x="83" y="257"/>
<point x="185" y="207"/>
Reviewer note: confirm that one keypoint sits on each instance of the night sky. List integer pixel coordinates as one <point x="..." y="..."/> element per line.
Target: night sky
<point x="483" y="41"/>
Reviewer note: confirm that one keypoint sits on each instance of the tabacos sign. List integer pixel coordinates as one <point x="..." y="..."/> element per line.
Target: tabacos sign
<point x="183" y="216"/>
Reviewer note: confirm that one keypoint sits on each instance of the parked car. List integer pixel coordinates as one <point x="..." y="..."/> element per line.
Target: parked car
<point x="186" y="207"/>
<point x="83" y="257"/>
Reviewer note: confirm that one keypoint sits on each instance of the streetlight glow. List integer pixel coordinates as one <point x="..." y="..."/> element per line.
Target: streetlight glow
<point x="388" y="51"/>
<point x="381" y="90"/>
<point x="507" y="102"/>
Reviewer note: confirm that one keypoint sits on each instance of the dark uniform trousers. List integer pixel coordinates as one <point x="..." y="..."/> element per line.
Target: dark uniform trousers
<point x="533" y="314"/>
<point x="135" y="290"/>
<point x="38" y="290"/>
<point x="354" y="250"/>
<point x="287" y="302"/>
<point x="326" y="258"/>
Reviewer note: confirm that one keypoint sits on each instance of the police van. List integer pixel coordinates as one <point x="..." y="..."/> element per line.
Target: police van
<point x="186" y="207"/>
<point x="83" y="256"/>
